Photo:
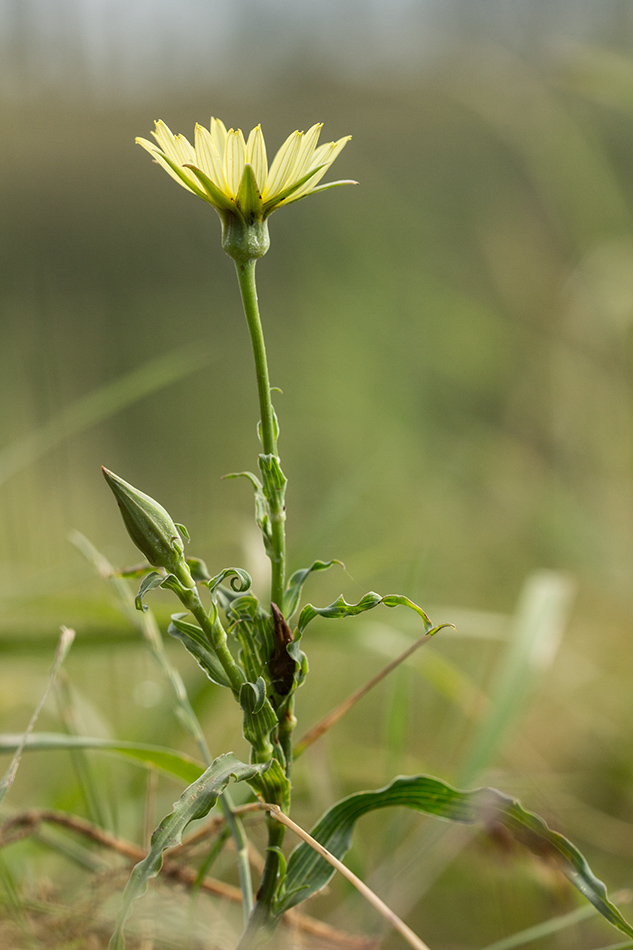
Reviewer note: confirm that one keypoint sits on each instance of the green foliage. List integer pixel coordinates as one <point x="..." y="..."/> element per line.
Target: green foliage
<point x="195" y="802"/>
<point x="297" y="581"/>
<point x="308" y="872"/>
<point x="341" y="609"/>
<point x="515" y="314"/>
<point x="192" y="636"/>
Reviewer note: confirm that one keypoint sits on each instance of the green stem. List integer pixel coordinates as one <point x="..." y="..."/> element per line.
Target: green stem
<point x="248" y="290"/>
<point x="287" y="723"/>
<point x="190" y="598"/>
<point x="262" y="920"/>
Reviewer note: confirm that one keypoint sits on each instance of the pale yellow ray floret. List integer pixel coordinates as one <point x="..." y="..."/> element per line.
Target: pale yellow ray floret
<point x="214" y="166"/>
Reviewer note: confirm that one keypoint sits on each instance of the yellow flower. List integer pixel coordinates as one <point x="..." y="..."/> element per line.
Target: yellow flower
<point x="232" y="173"/>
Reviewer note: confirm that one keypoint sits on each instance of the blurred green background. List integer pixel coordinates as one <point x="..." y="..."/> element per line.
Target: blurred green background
<point x="453" y="341"/>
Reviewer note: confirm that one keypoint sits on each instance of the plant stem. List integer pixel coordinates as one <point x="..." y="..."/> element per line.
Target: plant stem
<point x="190" y="598"/>
<point x="248" y="290"/>
<point x="262" y="920"/>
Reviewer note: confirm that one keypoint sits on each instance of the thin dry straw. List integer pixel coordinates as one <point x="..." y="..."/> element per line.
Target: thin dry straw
<point x="65" y="642"/>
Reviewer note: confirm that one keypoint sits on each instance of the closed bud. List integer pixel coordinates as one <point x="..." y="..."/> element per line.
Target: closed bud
<point x="148" y="524"/>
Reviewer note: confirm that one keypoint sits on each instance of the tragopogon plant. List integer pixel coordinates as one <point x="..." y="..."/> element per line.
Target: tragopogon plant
<point x="254" y="648"/>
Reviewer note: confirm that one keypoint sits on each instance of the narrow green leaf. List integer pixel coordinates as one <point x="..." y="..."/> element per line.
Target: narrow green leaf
<point x="195" y="802"/>
<point x="199" y="570"/>
<point x="150" y="582"/>
<point x="195" y="640"/>
<point x="308" y="872"/>
<point x="273" y="479"/>
<point x="172" y="763"/>
<point x="301" y="660"/>
<point x="252" y="627"/>
<point x="296" y="582"/>
<point x="340" y="609"/>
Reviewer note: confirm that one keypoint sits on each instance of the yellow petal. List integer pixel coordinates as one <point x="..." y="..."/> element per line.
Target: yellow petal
<point x="218" y="134"/>
<point x="176" y="148"/>
<point x="207" y="158"/>
<point x="279" y="175"/>
<point x="256" y="156"/>
<point x="324" y="155"/>
<point x="163" y="134"/>
<point x="308" y="145"/>
<point x="183" y="150"/>
<point x="234" y="160"/>
<point x="157" y="155"/>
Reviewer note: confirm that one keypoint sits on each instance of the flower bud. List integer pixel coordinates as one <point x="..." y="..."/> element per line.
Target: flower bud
<point x="148" y="524"/>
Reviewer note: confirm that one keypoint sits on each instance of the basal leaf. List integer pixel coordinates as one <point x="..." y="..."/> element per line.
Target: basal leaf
<point x="308" y="872"/>
<point x="195" y="802"/>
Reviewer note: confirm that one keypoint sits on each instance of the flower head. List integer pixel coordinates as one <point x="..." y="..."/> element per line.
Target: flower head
<point x="232" y="173"/>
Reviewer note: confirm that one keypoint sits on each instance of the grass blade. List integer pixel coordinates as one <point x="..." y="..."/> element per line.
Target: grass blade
<point x="540" y="622"/>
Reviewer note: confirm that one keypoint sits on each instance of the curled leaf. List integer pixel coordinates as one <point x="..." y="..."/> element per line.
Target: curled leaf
<point x="240" y="582"/>
<point x="298" y="579"/>
<point x="340" y="609"/>
<point x="150" y="582"/>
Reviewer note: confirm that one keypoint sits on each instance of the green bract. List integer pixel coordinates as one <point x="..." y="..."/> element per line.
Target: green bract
<point x="149" y="525"/>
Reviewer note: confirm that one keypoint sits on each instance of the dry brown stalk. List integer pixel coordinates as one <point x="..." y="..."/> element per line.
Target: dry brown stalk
<point x="333" y="717"/>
